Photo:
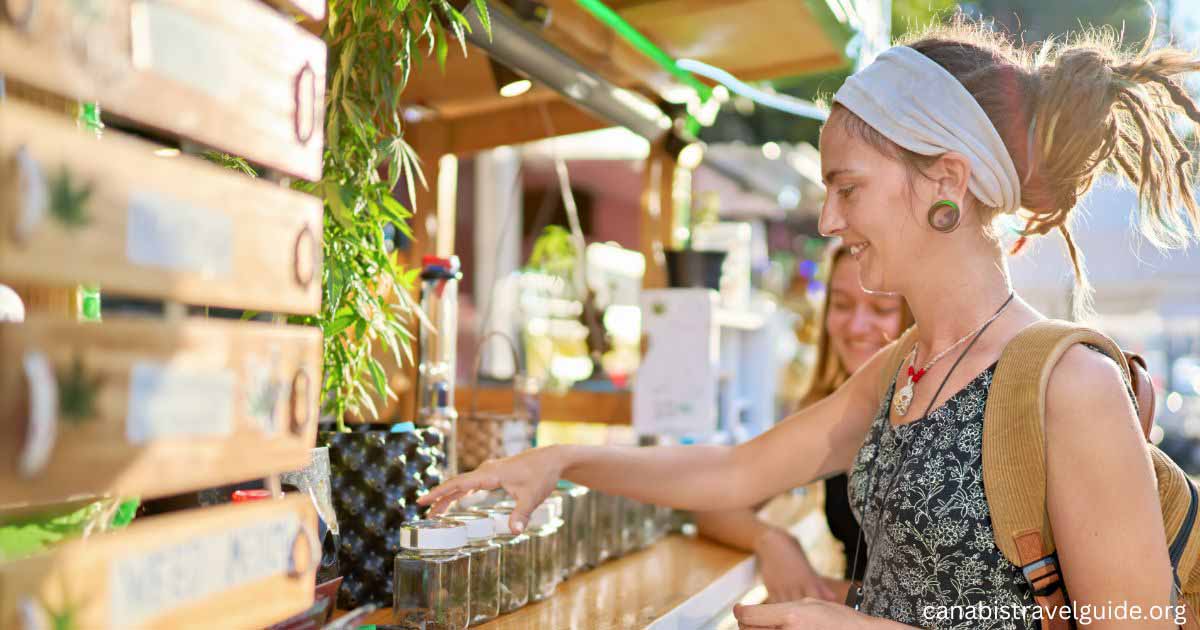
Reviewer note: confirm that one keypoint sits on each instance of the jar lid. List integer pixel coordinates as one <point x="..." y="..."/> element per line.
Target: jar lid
<point x="479" y="525"/>
<point x="500" y="517"/>
<point x="546" y="513"/>
<point x="433" y="534"/>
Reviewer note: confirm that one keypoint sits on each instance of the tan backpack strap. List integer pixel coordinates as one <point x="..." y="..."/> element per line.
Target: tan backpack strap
<point x="1014" y="466"/>
<point x="897" y="351"/>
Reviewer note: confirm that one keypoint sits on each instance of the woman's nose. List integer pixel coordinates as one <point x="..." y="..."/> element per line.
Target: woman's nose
<point x="861" y="322"/>
<point x="831" y="222"/>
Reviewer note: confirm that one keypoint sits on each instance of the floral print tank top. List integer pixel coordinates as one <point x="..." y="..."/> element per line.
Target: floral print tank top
<point x="917" y="489"/>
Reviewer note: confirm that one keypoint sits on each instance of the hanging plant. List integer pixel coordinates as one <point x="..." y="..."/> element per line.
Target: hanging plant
<point x="373" y="48"/>
<point x="554" y="252"/>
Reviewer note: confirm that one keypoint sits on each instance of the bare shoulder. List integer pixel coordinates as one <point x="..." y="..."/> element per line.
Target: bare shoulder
<point x="1087" y="387"/>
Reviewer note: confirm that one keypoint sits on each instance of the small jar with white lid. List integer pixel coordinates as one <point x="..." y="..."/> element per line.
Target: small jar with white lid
<point x="545" y="529"/>
<point x="485" y="564"/>
<point x="431" y="583"/>
<point x="516" y="561"/>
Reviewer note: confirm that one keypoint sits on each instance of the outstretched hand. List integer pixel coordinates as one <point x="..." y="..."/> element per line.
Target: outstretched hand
<point x="529" y="478"/>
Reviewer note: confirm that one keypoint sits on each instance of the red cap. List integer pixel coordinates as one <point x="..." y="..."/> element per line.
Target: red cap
<point x="242" y="496"/>
<point x="430" y="259"/>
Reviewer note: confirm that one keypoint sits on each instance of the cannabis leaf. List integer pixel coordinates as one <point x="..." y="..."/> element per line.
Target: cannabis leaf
<point x="68" y="199"/>
<point x="77" y="393"/>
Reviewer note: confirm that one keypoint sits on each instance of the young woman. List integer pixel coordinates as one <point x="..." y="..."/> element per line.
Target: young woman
<point x="924" y="149"/>
<point x="855" y="325"/>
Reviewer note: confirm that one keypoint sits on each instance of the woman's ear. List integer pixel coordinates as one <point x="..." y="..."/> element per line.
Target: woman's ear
<point x="952" y="174"/>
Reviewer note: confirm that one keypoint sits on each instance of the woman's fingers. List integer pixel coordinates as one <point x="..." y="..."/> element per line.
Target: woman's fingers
<point x="458" y="487"/>
<point x="767" y="615"/>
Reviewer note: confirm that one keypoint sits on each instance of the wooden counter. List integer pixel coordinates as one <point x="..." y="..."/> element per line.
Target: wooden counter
<point x="632" y="592"/>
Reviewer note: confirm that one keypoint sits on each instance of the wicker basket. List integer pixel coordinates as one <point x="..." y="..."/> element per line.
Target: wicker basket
<point x="484" y="435"/>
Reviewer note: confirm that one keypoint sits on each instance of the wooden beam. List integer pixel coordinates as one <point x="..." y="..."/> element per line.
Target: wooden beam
<point x="515" y="125"/>
<point x="596" y="46"/>
<point x="791" y="69"/>
<point x="576" y="405"/>
<point x="657" y="215"/>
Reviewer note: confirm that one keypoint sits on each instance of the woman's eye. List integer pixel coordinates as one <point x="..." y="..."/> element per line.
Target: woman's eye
<point x="846" y="191"/>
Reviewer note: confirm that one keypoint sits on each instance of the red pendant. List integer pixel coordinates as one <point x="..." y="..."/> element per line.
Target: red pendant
<point x="916" y="376"/>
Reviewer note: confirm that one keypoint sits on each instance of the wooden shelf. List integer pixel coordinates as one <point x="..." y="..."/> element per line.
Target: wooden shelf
<point x="171" y="228"/>
<point x="235" y="566"/>
<point x="234" y="75"/>
<point x="632" y="592"/>
<point x="158" y="407"/>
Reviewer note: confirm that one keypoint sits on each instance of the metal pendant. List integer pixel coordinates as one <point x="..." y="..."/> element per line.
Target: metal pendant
<point x="854" y="596"/>
<point x="903" y="399"/>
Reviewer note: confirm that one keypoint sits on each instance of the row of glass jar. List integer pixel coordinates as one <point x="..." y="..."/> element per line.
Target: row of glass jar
<point x="468" y="567"/>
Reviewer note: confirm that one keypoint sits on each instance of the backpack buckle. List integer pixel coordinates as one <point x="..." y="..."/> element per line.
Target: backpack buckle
<point x="1043" y="576"/>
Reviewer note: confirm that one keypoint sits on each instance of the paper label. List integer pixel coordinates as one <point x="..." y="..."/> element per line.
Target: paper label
<point x="180" y="47"/>
<point x="169" y="234"/>
<point x="166" y="402"/>
<point x="148" y="584"/>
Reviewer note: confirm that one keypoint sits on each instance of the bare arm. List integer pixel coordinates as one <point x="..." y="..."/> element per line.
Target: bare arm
<point x="1101" y="492"/>
<point x="816" y="442"/>
<point x="740" y="529"/>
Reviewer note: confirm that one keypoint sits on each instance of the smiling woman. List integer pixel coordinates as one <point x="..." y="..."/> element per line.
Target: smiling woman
<point x="922" y="151"/>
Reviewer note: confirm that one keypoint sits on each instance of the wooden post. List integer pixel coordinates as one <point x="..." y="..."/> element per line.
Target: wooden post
<point x="657" y="216"/>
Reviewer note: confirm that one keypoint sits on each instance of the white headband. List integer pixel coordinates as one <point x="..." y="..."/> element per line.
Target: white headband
<point x="919" y="105"/>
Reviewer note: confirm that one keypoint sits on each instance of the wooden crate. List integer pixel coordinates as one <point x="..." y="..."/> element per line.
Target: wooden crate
<point x="150" y="408"/>
<point x="177" y="228"/>
<point x="237" y="566"/>
<point x="234" y="75"/>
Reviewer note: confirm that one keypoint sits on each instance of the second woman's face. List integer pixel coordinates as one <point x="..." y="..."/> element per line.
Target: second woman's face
<point x="858" y="323"/>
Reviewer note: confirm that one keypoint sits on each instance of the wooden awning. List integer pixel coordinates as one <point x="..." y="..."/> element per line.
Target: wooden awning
<point x="753" y="39"/>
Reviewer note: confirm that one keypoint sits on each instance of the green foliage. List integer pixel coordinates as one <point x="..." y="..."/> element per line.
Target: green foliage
<point x="366" y="296"/>
<point x="554" y="252"/>
<point x="77" y="392"/>
<point x="29" y="536"/>
<point x="68" y="199"/>
<point x="910" y="15"/>
<point x="230" y="162"/>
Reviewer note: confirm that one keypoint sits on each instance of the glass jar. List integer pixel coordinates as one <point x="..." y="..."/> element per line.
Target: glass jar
<point x="431" y="584"/>
<point x="485" y="564"/>
<point x="577" y="526"/>
<point x="664" y="517"/>
<point x="516" y="560"/>
<point x="649" y="520"/>
<point x="545" y="530"/>
<point x="436" y="370"/>
<point x="606" y="530"/>
<point x="630" y="525"/>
